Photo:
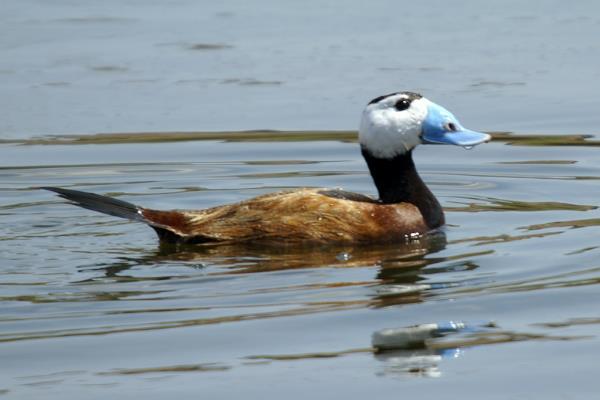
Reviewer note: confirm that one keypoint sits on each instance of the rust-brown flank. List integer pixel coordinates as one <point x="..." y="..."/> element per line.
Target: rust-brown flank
<point x="304" y="215"/>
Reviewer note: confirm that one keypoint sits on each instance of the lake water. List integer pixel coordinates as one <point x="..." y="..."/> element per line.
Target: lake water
<point x="92" y="307"/>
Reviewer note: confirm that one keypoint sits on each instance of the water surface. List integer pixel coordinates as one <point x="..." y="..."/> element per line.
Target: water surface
<point x="92" y="306"/>
<point x="131" y="66"/>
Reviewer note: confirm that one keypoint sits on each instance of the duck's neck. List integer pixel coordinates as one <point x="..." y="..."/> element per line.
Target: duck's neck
<point x="397" y="181"/>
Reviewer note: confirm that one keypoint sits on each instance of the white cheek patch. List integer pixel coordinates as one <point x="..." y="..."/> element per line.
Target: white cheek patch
<point x="386" y="132"/>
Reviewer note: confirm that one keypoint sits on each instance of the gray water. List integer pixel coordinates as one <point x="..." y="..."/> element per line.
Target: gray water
<point x="92" y="306"/>
<point x="131" y="65"/>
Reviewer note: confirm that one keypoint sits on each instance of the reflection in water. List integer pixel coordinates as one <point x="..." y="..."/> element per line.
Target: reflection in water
<point x="425" y="362"/>
<point x="402" y="269"/>
<point x="404" y="363"/>
<point x="394" y="260"/>
<point x="413" y="363"/>
<point x="244" y="258"/>
<point x="398" y="281"/>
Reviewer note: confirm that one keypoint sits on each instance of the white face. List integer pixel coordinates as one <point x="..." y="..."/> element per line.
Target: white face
<point x="388" y="130"/>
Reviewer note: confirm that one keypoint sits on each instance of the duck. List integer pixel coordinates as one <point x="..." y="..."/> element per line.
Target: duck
<point x="391" y="127"/>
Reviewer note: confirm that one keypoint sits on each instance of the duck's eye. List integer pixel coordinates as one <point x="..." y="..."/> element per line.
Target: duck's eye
<point x="450" y="126"/>
<point x="402" y="104"/>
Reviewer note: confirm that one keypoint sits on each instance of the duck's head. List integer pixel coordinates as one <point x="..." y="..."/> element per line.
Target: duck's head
<point x="396" y="123"/>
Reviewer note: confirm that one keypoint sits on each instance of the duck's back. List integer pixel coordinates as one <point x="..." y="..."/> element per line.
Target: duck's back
<point x="303" y="215"/>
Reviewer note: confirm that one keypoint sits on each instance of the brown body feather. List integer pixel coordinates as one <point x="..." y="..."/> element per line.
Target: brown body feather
<point x="406" y="207"/>
<point x="303" y="215"/>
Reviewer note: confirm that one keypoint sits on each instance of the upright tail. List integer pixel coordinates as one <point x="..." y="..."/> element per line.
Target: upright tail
<point x="171" y="226"/>
<point x="103" y="204"/>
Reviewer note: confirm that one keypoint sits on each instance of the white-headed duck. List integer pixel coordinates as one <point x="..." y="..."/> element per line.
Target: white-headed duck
<point x="391" y="127"/>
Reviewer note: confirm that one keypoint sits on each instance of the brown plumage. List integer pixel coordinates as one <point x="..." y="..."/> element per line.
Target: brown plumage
<point x="304" y="215"/>
<point x="407" y="208"/>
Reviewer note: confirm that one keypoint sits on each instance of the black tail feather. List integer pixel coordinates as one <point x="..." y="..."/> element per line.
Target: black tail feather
<point x="103" y="204"/>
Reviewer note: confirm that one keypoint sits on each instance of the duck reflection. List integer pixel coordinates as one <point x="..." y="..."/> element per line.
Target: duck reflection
<point x="400" y="278"/>
<point x="255" y="258"/>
